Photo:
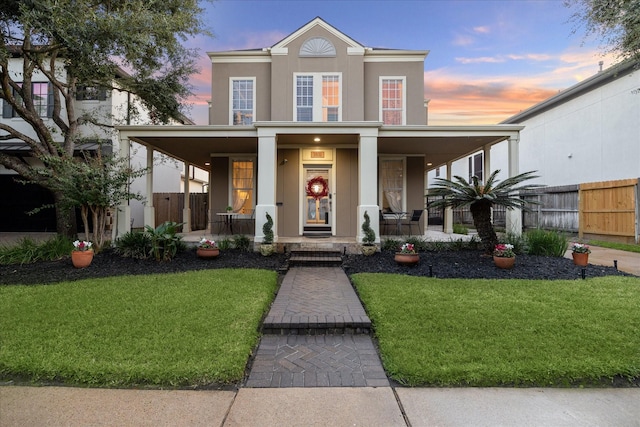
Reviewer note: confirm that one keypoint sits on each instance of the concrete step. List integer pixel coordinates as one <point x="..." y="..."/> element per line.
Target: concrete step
<point x="315" y="258"/>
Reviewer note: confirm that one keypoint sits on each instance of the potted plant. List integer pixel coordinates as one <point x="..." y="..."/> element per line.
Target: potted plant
<point x="580" y="253"/>
<point x="82" y="255"/>
<point x="407" y="255"/>
<point x="266" y="248"/>
<point x="229" y="209"/>
<point x="207" y="249"/>
<point x="503" y="256"/>
<point x="368" y="240"/>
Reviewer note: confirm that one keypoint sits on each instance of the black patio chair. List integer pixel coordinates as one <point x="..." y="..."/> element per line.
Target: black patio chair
<point x="415" y="220"/>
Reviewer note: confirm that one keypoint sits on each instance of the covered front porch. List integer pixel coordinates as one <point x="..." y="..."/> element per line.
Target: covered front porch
<point x="286" y="163"/>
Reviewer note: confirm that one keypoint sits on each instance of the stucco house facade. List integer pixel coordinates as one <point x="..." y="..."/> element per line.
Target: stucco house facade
<point x="106" y="105"/>
<point x="316" y="130"/>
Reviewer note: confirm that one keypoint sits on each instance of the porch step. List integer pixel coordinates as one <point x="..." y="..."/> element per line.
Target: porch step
<point x="315" y="258"/>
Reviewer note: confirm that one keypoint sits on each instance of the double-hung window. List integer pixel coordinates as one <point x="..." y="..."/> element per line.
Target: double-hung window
<point x="318" y="97"/>
<point x="242" y="183"/>
<point x="392" y="184"/>
<point x="41" y="96"/>
<point x="476" y="166"/>
<point x="393" y="100"/>
<point x="243" y="94"/>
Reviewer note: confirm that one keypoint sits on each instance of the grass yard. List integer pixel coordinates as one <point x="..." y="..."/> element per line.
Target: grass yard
<point x="453" y="332"/>
<point x="180" y="330"/>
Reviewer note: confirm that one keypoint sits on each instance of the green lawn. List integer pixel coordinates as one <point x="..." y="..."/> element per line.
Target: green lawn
<point x="182" y="329"/>
<point x="504" y="332"/>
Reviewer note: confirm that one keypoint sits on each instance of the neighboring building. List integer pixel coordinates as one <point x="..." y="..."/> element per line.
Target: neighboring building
<point x="316" y="130"/>
<point x="110" y="107"/>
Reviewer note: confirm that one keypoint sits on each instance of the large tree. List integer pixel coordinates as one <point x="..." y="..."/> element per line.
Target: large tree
<point x="615" y="22"/>
<point x="481" y="198"/>
<point x="80" y="43"/>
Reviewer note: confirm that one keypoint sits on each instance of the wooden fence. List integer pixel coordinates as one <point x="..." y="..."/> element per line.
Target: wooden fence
<point x="610" y="210"/>
<point x="170" y="206"/>
<point x="552" y="208"/>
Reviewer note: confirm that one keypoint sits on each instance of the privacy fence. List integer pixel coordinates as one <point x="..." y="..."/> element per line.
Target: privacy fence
<point x="607" y="210"/>
<point x="170" y="207"/>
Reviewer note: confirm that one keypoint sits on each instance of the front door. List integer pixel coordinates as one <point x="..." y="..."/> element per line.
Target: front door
<point x="317" y="201"/>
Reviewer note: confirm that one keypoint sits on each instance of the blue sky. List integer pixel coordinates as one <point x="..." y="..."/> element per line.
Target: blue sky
<point x="488" y="60"/>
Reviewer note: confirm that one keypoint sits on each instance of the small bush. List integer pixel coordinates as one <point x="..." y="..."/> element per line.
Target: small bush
<point x="460" y="229"/>
<point x="134" y="244"/>
<point x="391" y="245"/>
<point x="241" y="242"/>
<point x="546" y="243"/>
<point x="26" y="250"/>
<point x="518" y="241"/>
<point x="225" y="244"/>
<point x="165" y="241"/>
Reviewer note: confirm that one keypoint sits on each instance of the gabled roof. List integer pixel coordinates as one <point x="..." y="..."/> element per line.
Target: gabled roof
<point x="317" y="22"/>
<point x="600" y="79"/>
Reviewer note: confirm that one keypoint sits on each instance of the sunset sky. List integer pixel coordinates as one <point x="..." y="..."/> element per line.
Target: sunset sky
<point x="488" y="60"/>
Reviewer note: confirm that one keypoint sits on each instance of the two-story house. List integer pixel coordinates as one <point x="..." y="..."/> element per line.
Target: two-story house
<point x="316" y="130"/>
<point x="107" y="106"/>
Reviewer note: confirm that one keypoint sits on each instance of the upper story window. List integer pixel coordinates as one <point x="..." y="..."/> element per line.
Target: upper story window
<point x="318" y="97"/>
<point x="242" y="100"/>
<point x="393" y="100"/>
<point x="91" y="93"/>
<point x="476" y="166"/>
<point x="42" y="96"/>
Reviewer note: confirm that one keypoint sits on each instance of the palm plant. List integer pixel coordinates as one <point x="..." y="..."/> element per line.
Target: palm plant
<point x="481" y="198"/>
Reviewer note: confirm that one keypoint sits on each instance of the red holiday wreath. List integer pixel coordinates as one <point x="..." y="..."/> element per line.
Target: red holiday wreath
<point x="317" y="187"/>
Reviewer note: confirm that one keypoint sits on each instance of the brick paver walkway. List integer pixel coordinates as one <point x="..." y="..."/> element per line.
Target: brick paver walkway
<point x="316" y="335"/>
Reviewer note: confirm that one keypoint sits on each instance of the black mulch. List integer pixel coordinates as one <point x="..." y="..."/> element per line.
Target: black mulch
<point x="462" y="264"/>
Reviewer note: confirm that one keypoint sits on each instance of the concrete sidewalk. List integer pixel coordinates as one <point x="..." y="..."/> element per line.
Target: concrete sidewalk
<point x="362" y="406"/>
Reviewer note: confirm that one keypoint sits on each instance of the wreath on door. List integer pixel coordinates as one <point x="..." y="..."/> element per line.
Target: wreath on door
<point x="317" y="187"/>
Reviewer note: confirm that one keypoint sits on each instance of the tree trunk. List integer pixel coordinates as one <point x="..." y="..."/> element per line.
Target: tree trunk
<point x="481" y="212"/>
<point x="65" y="217"/>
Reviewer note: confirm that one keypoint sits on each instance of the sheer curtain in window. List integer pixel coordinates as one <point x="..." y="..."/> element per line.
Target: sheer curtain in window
<point x="242" y="185"/>
<point x="392" y="182"/>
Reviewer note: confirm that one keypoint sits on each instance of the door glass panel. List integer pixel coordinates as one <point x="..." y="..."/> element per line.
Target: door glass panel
<point x="318" y="198"/>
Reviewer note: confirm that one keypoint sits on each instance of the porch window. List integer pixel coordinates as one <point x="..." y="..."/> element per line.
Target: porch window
<point x="392" y="176"/>
<point x="242" y="182"/>
<point x="392" y="100"/>
<point x="242" y="101"/>
<point x="476" y="163"/>
<point x="318" y="98"/>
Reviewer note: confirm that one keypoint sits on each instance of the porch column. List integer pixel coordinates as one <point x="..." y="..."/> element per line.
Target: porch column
<point x="513" y="217"/>
<point x="186" y="211"/>
<point x="123" y="213"/>
<point x="266" y="184"/>
<point x="149" y="210"/>
<point x="448" y="212"/>
<point x="368" y="182"/>
<point x="486" y="167"/>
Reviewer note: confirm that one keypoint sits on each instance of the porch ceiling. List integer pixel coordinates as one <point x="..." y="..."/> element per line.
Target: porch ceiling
<point x="438" y="145"/>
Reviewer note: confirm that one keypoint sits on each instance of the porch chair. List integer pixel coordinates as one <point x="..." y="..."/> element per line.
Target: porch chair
<point x="415" y="220"/>
<point x="383" y="222"/>
<point x="247" y="221"/>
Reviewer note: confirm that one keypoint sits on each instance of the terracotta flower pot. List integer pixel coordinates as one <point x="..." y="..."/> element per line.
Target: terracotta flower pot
<point x="81" y="259"/>
<point x="407" y="259"/>
<point x="504" y="262"/>
<point x="581" y="259"/>
<point x="207" y="252"/>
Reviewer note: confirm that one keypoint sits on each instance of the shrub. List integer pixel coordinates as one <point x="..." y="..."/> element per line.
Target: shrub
<point x="267" y="230"/>
<point x="518" y="242"/>
<point x="133" y="244"/>
<point x="241" y="242"/>
<point x="547" y="243"/>
<point x="225" y="244"/>
<point x="369" y="237"/>
<point x="165" y="241"/>
<point x="460" y="229"/>
<point x="391" y="244"/>
<point x="27" y="250"/>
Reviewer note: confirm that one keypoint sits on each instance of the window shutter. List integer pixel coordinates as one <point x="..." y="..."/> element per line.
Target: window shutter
<point x="7" y="110"/>
<point x="102" y="94"/>
<point x="50" y="100"/>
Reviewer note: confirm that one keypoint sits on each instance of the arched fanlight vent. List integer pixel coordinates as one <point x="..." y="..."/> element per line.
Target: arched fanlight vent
<point x="317" y="46"/>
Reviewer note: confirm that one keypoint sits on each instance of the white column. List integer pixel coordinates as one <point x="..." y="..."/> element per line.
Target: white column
<point x="514" y="216"/>
<point x="123" y="214"/>
<point x="486" y="171"/>
<point x="368" y="183"/>
<point x="448" y="212"/>
<point x="266" y="185"/>
<point x="149" y="210"/>
<point x="186" y="211"/>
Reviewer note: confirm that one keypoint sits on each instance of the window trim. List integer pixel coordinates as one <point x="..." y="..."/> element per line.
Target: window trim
<point x="403" y="159"/>
<point x="254" y="161"/>
<point x="404" y="97"/>
<point x="317" y="95"/>
<point x="253" y="94"/>
<point x="8" y="112"/>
